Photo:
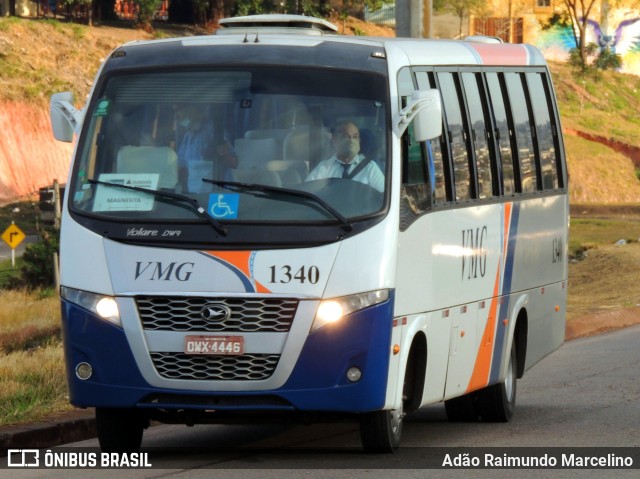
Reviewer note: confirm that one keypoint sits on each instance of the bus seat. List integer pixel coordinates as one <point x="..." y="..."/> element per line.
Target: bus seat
<point x="297" y="147"/>
<point x="290" y="172"/>
<point x="255" y="153"/>
<point x="278" y="134"/>
<point x="259" y="177"/>
<point x="150" y="159"/>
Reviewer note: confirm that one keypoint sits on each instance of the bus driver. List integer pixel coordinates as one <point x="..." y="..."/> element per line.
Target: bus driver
<point x="348" y="162"/>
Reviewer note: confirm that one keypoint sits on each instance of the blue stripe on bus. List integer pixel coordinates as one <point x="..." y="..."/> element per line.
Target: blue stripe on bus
<point x="498" y="345"/>
<point x="246" y="282"/>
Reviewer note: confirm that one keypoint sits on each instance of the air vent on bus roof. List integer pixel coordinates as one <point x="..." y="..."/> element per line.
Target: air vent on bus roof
<point x="274" y="23"/>
<point x="483" y="39"/>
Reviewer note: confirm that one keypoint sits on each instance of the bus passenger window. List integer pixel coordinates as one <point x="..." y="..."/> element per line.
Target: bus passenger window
<point x="502" y="133"/>
<point x="457" y="136"/>
<point x="416" y="194"/>
<point x="434" y="149"/>
<point x="416" y="171"/>
<point x="479" y="135"/>
<point x="546" y="146"/>
<point x="524" y="140"/>
<point x="435" y="160"/>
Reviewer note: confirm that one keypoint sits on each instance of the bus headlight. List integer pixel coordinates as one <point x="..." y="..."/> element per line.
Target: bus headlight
<point x="104" y="307"/>
<point x="333" y="310"/>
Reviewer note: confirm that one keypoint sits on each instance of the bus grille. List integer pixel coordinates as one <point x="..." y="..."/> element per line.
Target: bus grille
<point x="248" y="367"/>
<point x="162" y="313"/>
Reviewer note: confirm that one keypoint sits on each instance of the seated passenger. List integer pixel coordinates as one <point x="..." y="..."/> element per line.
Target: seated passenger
<point x="347" y="162"/>
<point x="198" y="156"/>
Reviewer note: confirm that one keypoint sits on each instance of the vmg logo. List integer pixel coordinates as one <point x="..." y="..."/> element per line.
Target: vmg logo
<point x="159" y="271"/>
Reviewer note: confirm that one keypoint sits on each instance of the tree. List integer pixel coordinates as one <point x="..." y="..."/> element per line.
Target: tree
<point x="460" y="8"/>
<point x="579" y="11"/>
<point x="146" y="10"/>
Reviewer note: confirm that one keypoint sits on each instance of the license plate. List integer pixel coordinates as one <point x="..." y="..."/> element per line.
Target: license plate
<point x="214" y="345"/>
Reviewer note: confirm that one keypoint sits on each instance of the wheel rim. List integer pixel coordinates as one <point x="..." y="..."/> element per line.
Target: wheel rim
<point x="509" y="382"/>
<point x="396" y="421"/>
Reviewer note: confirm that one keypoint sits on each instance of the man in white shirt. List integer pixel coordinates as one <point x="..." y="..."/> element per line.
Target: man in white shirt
<point x="347" y="159"/>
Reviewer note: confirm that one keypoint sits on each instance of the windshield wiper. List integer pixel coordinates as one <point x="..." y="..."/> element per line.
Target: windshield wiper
<point x="346" y="226"/>
<point x="174" y="196"/>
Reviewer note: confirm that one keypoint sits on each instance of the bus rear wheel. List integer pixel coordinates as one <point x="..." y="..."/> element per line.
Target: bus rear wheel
<point x="119" y="430"/>
<point x="497" y="403"/>
<point x="380" y="431"/>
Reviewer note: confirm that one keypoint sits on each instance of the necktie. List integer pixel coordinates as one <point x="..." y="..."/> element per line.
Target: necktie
<point x="345" y="172"/>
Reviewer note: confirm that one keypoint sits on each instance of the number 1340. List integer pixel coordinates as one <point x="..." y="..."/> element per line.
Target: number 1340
<point x="286" y="274"/>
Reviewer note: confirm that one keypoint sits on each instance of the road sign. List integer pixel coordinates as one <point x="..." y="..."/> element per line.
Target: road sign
<point x="13" y="236"/>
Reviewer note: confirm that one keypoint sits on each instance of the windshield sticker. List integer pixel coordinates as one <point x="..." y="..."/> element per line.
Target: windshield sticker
<point x="103" y="108"/>
<point x="224" y="205"/>
<point x="122" y="199"/>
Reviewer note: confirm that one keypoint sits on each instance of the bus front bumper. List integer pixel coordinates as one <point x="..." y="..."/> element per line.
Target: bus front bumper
<point x="318" y="381"/>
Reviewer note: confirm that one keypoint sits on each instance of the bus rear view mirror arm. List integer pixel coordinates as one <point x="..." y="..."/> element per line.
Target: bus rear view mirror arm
<point x="425" y="110"/>
<point x="65" y="118"/>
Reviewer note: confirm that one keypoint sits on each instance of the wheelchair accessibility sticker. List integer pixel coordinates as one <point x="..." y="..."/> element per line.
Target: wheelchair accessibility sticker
<point x="224" y="205"/>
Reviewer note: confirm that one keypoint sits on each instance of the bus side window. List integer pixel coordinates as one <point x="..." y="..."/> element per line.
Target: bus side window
<point x="546" y="146"/>
<point x="502" y="133"/>
<point x="522" y="127"/>
<point x="435" y="159"/>
<point x="457" y="136"/>
<point x="416" y="193"/>
<point x="478" y="135"/>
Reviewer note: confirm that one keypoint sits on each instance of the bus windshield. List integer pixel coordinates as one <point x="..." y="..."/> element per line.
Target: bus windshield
<point x="238" y="141"/>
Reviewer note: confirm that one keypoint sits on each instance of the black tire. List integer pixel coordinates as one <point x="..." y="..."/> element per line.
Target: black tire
<point x="462" y="409"/>
<point x="380" y="431"/>
<point x="496" y="403"/>
<point x="119" y="430"/>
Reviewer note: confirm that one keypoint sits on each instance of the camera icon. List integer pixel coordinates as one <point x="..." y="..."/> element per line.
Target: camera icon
<point x="23" y="458"/>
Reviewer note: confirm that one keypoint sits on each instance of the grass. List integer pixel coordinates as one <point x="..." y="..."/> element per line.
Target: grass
<point x="32" y="376"/>
<point x="590" y="233"/>
<point x="7" y="272"/>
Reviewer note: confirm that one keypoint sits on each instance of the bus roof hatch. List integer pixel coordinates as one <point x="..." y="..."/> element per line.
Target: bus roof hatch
<point x="275" y="23"/>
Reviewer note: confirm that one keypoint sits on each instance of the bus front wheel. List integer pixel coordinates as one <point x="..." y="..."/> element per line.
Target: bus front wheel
<point x="380" y="431"/>
<point x="119" y="430"/>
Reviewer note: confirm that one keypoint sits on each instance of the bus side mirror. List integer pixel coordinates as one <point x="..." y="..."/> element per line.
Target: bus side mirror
<point x="425" y="110"/>
<point x="65" y="118"/>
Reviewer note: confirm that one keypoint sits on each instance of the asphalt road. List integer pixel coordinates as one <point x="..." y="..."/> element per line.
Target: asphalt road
<point x="584" y="395"/>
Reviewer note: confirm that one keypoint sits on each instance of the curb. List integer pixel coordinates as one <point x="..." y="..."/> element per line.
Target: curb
<point x="80" y="425"/>
<point x="76" y="426"/>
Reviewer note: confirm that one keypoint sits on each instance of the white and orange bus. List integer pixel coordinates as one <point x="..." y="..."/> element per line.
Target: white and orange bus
<point x="208" y="276"/>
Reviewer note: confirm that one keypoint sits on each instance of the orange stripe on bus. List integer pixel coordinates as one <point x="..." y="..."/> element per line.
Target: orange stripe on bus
<point x="482" y="368"/>
<point x="239" y="259"/>
<point x="480" y="376"/>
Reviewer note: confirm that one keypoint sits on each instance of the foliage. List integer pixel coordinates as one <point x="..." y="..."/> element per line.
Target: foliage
<point x="608" y="60"/>
<point x="558" y="19"/>
<point x="375" y="5"/>
<point x="579" y="61"/>
<point x="593" y="59"/>
<point x="36" y="270"/>
<point x="253" y="7"/>
<point x="146" y="10"/>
